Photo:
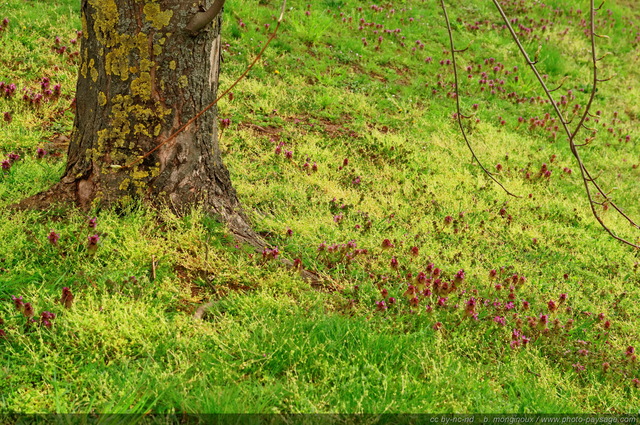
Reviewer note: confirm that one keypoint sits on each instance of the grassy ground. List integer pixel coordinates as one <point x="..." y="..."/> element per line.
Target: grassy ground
<point x="344" y="152"/>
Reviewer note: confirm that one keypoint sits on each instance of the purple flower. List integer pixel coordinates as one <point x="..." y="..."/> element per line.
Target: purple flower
<point x="93" y="222"/>
<point x="17" y="302"/>
<point x="41" y="153"/>
<point x="67" y="297"/>
<point x="53" y="237"/>
<point x="500" y="320"/>
<point x="471" y="303"/>
<point x="6" y="164"/>
<point x="93" y="239"/>
<point x="47" y="315"/>
<point x="268" y="254"/>
<point x="28" y="310"/>
<point x="542" y="323"/>
<point x="381" y="305"/>
<point x="13" y="157"/>
<point x="410" y="292"/>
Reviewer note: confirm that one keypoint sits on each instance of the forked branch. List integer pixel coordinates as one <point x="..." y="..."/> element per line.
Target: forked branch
<point x="459" y="115"/>
<point x="571" y="135"/>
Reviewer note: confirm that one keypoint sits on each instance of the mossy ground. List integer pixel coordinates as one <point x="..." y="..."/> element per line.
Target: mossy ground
<point x="391" y="164"/>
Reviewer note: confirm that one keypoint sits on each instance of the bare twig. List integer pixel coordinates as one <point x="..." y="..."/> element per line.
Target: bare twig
<point x="586" y="176"/>
<point x="459" y="115"/>
<point x="202" y="19"/>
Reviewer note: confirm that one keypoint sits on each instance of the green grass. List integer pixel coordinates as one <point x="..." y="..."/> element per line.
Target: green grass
<point x="271" y="343"/>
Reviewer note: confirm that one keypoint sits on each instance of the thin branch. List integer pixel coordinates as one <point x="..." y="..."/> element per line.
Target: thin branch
<point x="561" y="84"/>
<point x="457" y="94"/>
<point x="202" y="19"/>
<point x="602" y="80"/>
<point x="586" y="176"/>
<point x="212" y="104"/>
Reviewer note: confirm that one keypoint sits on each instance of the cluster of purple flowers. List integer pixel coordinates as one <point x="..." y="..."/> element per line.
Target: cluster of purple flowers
<point x="8" y="162"/>
<point x="270" y="253"/>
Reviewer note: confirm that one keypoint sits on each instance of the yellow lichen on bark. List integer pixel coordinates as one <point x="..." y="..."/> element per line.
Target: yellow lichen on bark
<point x="105" y="20"/>
<point x="141" y="86"/>
<point x="85" y="33"/>
<point x="117" y="61"/>
<point x="94" y="74"/>
<point x="159" y="19"/>
<point x="140" y="174"/>
<point x="139" y="129"/>
<point x="133" y="118"/>
<point x="146" y="65"/>
<point x="118" y="129"/>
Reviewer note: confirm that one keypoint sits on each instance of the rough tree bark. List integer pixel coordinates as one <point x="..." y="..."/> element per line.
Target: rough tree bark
<point x="142" y="75"/>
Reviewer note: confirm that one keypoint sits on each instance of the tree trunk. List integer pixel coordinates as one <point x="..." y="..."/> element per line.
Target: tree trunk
<point x="141" y="77"/>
